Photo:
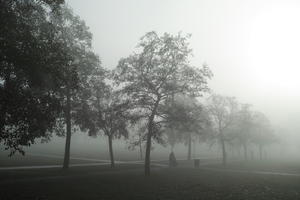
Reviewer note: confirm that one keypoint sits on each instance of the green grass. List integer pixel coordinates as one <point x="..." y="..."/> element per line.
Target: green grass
<point x="128" y="182"/>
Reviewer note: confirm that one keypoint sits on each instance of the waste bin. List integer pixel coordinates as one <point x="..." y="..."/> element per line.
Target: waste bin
<point x="196" y="163"/>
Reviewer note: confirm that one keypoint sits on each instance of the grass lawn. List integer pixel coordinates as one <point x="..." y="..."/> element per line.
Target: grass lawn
<point x="29" y="160"/>
<point x="265" y="165"/>
<point x="128" y="182"/>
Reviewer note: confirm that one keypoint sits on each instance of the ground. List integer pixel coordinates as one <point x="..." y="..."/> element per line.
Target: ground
<point x="211" y="181"/>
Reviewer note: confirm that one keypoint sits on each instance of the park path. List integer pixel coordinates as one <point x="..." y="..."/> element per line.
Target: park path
<point x="155" y="167"/>
<point x="94" y="162"/>
<point x="252" y="172"/>
<point x="156" y="164"/>
<point x="72" y="157"/>
<point x="76" y="165"/>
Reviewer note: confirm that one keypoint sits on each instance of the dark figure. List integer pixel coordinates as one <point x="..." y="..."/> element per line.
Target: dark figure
<point x="172" y="160"/>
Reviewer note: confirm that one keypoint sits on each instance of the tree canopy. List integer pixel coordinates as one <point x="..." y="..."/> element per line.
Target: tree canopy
<point x="30" y="72"/>
<point x="161" y="68"/>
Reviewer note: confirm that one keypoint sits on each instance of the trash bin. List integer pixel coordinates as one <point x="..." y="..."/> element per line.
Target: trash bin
<point x="196" y="163"/>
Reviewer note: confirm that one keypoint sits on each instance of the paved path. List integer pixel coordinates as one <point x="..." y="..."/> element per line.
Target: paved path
<point x="252" y="172"/>
<point x="155" y="163"/>
<point x="94" y="162"/>
<point x="71" y="157"/>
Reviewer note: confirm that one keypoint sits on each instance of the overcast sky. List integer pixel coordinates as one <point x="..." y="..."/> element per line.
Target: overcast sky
<point x="252" y="46"/>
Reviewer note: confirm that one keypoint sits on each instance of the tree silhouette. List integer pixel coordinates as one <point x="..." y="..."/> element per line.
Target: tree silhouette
<point x="80" y="64"/>
<point x="263" y="134"/>
<point x="31" y="61"/>
<point x="223" y="112"/>
<point x="160" y="69"/>
<point x="105" y="111"/>
<point x="188" y="117"/>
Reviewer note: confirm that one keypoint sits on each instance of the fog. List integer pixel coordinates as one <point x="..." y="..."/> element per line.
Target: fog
<point x="96" y="94"/>
<point x="250" y="46"/>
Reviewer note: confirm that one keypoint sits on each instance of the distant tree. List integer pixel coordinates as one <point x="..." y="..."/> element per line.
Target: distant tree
<point x="263" y="133"/>
<point x="158" y="70"/>
<point x="172" y="137"/>
<point x="243" y="127"/>
<point x="81" y="64"/>
<point x="223" y="111"/>
<point x="138" y="139"/>
<point x="31" y="62"/>
<point x="187" y="117"/>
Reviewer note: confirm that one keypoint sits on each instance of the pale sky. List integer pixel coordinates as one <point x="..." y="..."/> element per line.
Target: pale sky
<point x="251" y="46"/>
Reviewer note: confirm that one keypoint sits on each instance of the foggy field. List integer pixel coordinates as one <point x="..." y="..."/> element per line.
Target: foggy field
<point x="34" y="160"/>
<point x="149" y="100"/>
<point x="128" y="182"/>
<point x="292" y="167"/>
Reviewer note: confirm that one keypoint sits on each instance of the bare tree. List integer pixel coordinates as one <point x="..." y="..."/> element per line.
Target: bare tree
<point x="223" y="112"/>
<point x="244" y="127"/>
<point x="263" y="133"/>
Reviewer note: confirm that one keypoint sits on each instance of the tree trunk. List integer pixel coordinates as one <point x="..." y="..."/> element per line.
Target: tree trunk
<point x="141" y="149"/>
<point x="260" y="151"/>
<point x="245" y="151"/>
<point x="194" y="149"/>
<point x="224" y="156"/>
<point x="149" y="137"/>
<point x="148" y="149"/>
<point x="189" y="147"/>
<point x="111" y="153"/>
<point x="68" y="129"/>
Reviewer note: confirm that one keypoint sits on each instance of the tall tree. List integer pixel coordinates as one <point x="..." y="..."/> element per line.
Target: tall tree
<point x="159" y="69"/>
<point x="223" y="112"/>
<point x="31" y="61"/>
<point x="81" y="64"/>
<point x="106" y="111"/>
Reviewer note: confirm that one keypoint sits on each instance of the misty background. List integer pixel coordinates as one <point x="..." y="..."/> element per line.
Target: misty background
<point x="250" y="46"/>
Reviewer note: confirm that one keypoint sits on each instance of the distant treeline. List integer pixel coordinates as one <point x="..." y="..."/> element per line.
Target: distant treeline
<point x="51" y="82"/>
